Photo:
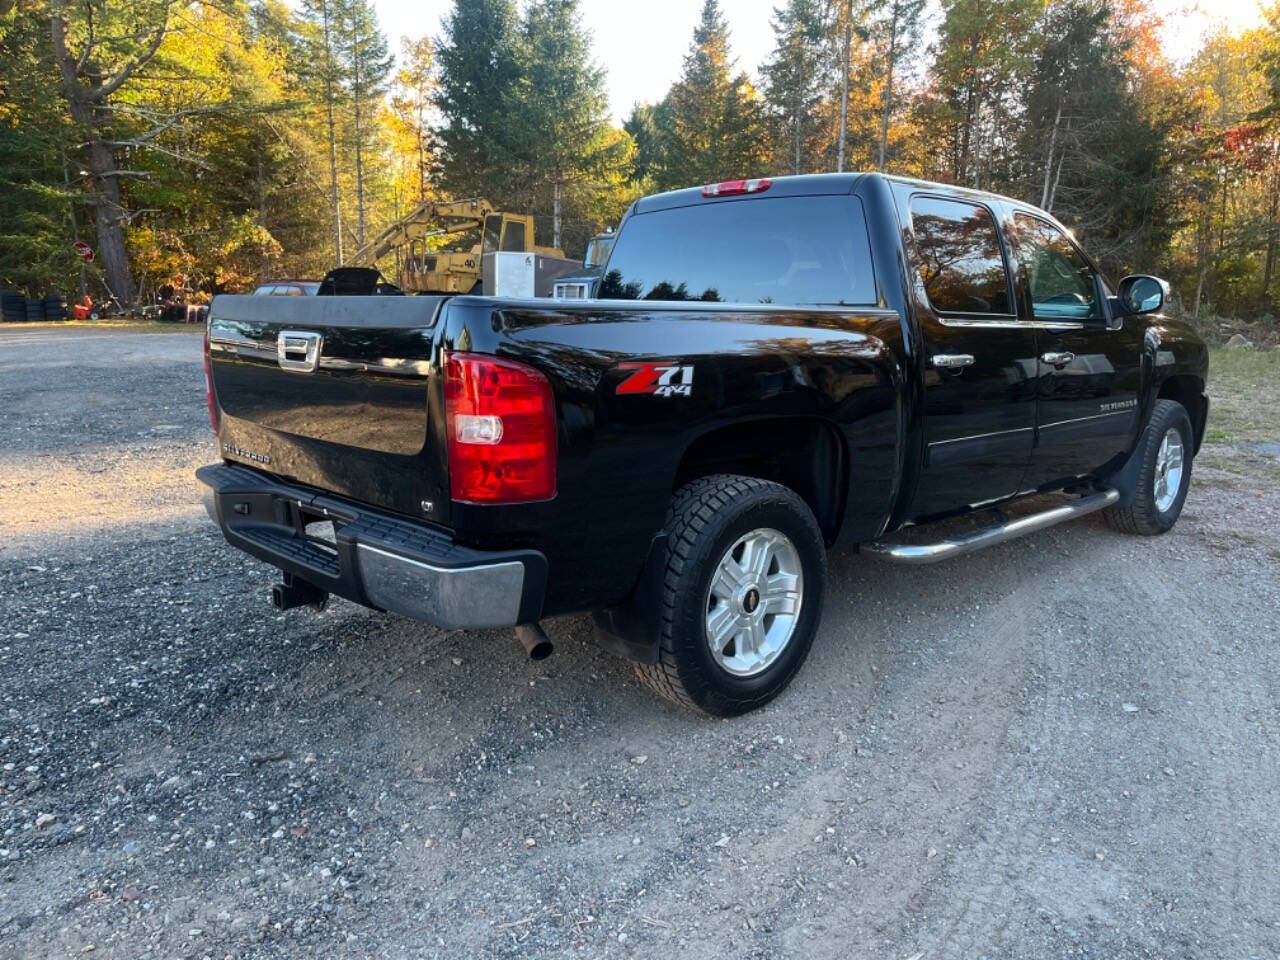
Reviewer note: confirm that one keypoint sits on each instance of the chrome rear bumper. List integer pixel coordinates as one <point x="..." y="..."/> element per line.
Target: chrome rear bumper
<point x="374" y="558"/>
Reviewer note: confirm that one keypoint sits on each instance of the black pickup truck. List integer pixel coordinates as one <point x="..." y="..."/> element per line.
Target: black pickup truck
<point x="769" y="368"/>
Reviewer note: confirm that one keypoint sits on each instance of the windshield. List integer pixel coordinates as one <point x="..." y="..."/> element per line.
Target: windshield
<point x="784" y="250"/>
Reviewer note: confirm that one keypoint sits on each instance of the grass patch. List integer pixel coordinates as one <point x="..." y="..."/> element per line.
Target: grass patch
<point x="1244" y="396"/>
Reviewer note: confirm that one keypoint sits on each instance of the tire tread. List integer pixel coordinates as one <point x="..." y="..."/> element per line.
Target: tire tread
<point x="693" y="508"/>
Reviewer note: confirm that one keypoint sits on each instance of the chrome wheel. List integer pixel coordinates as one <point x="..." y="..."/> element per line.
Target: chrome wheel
<point x="753" y="602"/>
<point x="1168" y="473"/>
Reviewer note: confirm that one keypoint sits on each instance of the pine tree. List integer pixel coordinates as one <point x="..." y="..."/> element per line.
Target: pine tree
<point x="717" y="120"/>
<point x="795" y="79"/>
<point x="564" y="107"/>
<point x="480" y="69"/>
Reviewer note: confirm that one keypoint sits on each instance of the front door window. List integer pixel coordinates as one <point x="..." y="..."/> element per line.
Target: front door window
<point x="1061" y="282"/>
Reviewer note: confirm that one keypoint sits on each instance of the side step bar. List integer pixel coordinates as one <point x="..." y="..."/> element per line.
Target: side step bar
<point x="969" y="542"/>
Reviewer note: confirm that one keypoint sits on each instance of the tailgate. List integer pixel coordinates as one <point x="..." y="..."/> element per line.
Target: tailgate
<point x="331" y="392"/>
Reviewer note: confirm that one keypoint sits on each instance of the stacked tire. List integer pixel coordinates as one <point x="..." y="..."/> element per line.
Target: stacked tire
<point x="35" y="311"/>
<point x="55" y="307"/>
<point x="13" y="306"/>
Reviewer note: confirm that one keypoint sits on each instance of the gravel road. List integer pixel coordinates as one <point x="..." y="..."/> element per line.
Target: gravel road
<point x="1067" y="746"/>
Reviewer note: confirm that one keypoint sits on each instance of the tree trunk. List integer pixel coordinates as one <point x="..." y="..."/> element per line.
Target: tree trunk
<point x="1048" y="163"/>
<point x="557" y="191"/>
<point x="1273" y="232"/>
<point x="333" y="139"/>
<point x="888" y="85"/>
<point x="92" y="116"/>
<point x="845" y="57"/>
<point x="358" y="104"/>
<point x="75" y="222"/>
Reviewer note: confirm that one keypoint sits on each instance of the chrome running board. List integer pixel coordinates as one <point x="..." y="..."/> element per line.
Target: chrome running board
<point x="969" y="542"/>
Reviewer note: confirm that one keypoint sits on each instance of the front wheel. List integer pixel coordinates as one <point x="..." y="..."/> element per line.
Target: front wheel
<point x="1164" y="474"/>
<point x="741" y="596"/>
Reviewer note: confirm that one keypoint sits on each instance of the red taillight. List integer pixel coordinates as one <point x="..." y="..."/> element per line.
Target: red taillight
<point x="208" y="383"/>
<point x="501" y="419"/>
<point x="731" y="188"/>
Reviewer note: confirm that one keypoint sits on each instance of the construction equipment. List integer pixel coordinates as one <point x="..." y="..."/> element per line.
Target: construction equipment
<point x="483" y="229"/>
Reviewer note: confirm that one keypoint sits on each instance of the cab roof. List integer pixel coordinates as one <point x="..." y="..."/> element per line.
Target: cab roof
<point x="805" y="185"/>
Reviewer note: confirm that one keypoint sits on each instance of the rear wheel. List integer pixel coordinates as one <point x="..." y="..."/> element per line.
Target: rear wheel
<point x="741" y="597"/>
<point x="1164" y="474"/>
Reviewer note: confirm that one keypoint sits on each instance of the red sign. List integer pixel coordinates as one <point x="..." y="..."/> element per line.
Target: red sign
<point x="84" y="250"/>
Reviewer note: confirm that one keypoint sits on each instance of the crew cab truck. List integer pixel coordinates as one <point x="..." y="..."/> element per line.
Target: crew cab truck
<point x="768" y="369"/>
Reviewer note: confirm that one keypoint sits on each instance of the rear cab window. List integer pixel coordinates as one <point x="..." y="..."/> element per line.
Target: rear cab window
<point x="799" y="250"/>
<point x="960" y="261"/>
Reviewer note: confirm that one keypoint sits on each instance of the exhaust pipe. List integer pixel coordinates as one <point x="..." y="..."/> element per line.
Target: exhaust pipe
<point x="535" y="641"/>
<point x="297" y="593"/>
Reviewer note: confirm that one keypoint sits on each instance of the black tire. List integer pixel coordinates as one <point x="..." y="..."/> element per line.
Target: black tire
<point x="1143" y="516"/>
<point x="35" y="311"/>
<point x="705" y="520"/>
<point x="95" y="314"/>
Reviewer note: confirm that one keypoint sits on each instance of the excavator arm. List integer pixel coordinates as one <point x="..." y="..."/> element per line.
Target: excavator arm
<point x="429" y="218"/>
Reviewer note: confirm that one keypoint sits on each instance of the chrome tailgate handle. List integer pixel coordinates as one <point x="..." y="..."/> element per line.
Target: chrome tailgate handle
<point x="1057" y="359"/>
<point x="298" y="350"/>
<point x="952" y="361"/>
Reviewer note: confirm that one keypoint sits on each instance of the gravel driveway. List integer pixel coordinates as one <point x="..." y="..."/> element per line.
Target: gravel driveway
<point x="1067" y="746"/>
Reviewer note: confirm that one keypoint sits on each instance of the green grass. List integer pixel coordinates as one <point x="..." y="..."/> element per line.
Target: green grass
<point x="1244" y="396"/>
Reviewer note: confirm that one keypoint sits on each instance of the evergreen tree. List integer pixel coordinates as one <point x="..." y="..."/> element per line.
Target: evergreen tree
<point x="39" y="219"/>
<point x="480" y="69"/>
<point x="718" y="129"/>
<point x="795" y="80"/>
<point x="568" y="138"/>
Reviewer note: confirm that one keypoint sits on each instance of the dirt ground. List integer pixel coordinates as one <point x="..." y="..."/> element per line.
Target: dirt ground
<point x="1066" y="746"/>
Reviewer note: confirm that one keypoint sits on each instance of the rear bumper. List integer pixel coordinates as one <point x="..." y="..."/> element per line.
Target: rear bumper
<point x="374" y="558"/>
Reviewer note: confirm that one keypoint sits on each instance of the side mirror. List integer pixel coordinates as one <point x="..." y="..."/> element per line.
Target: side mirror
<point x="1141" y="293"/>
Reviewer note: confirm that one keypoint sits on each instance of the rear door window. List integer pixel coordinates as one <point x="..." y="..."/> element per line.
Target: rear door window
<point x="784" y="250"/>
<point x="960" y="260"/>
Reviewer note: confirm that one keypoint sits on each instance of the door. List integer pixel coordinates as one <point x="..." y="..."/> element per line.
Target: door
<point x="979" y="381"/>
<point x="1088" y="369"/>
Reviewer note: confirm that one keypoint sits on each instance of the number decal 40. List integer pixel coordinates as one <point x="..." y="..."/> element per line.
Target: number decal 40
<point x="663" y="379"/>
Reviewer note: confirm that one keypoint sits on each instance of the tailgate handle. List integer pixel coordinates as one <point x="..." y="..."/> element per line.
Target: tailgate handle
<point x="298" y="350"/>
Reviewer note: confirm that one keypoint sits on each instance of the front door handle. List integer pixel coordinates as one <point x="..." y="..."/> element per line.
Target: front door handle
<point x="1058" y="358"/>
<point x="952" y="361"/>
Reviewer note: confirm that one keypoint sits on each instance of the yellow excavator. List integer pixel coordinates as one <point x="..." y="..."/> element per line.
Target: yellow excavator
<point x="427" y="270"/>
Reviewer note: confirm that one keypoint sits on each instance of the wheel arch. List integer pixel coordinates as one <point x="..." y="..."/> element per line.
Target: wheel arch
<point x="805" y="453"/>
<point x="1188" y="390"/>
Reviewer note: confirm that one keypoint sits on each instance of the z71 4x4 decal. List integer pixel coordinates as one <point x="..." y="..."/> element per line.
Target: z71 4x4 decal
<point x="663" y="379"/>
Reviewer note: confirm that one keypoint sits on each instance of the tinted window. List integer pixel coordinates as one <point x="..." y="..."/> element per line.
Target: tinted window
<point x="788" y="250"/>
<point x="1060" y="279"/>
<point x="960" y="261"/>
<point x="266" y="290"/>
<point x="513" y="238"/>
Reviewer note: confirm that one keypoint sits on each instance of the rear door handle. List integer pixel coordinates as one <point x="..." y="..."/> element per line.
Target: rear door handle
<point x="1057" y="359"/>
<point x="952" y="361"/>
